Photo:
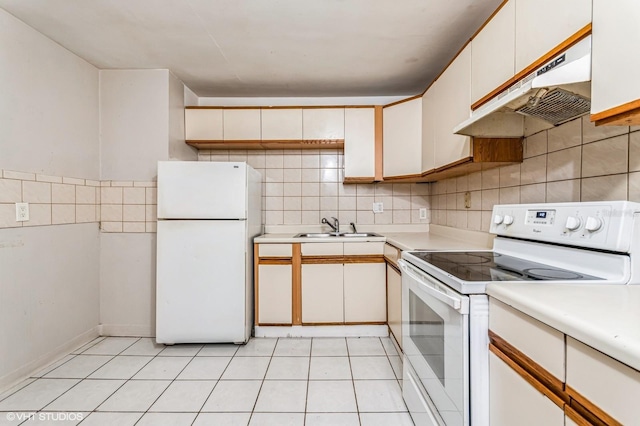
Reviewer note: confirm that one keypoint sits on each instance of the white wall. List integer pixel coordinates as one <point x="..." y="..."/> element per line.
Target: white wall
<point x="134" y="117"/>
<point x="49" y="284"/>
<point x="362" y="100"/>
<point x="128" y="284"/>
<point x="48" y="294"/>
<point x="178" y="150"/>
<point x="48" y="105"/>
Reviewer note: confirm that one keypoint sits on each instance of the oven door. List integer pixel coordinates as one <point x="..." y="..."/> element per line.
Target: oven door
<point x="435" y="333"/>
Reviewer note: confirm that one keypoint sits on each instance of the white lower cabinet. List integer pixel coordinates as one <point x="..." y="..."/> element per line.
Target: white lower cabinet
<point x="322" y="293"/>
<point x="513" y="401"/>
<point x="364" y="293"/>
<point x="274" y="294"/>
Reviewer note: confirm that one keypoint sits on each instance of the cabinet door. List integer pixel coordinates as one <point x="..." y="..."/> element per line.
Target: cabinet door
<point x="322" y="293"/>
<point x="513" y="401"/>
<point x="394" y="303"/>
<point x="274" y="294"/>
<point x="542" y="25"/>
<point x="241" y="124"/>
<point x="364" y="293"/>
<point x="282" y="124"/>
<point x="454" y="100"/>
<point x="429" y="123"/>
<point x="614" y="67"/>
<point x="402" y="139"/>
<point x="603" y="381"/>
<point x="202" y="124"/>
<point x="359" y="142"/>
<point x="323" y="123"/>
<point x="493" y="52"/>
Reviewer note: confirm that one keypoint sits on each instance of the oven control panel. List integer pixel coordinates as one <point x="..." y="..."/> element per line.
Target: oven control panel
<point x="606" y="225"/>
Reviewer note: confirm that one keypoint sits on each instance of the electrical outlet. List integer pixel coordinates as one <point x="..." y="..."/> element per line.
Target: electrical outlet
<point x="467" y="200"/>
<point x="423" y="213"/>
<point x="378" y="207"/>
<point x="22" y="212"/>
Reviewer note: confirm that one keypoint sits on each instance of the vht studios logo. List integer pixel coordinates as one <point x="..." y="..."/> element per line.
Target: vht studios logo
<point x="44" y="417"/>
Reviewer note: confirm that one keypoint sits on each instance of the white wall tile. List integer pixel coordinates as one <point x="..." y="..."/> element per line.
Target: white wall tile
<point x="10" y="191"/>
<point x="63" y="213"/>
<point x="36" y="192"/>
<point x="134" y="195"/>
<point x="133" y="213"/>
<point x="111" y="195"/>
<point x="39" y="214"/>
<point x="63" y="193"/>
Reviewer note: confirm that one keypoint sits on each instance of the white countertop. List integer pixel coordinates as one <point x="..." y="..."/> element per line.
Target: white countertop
<point x="605" y="317"/>
<point x="438" y="238"/>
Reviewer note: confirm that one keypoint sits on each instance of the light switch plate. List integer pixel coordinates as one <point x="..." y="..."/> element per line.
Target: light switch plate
<point x="22" y="212"/>
<point x="378" y="207"/>
<point x="423" y="213"/>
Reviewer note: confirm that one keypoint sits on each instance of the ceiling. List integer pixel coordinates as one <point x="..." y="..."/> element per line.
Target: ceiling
<point x="267" y="48"/>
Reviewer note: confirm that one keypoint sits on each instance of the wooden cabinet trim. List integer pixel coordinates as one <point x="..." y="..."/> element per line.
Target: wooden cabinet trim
<point x="275" y="260"/>
<point x="528" y="377"/>
<point x="587" y="409"/>
<point x="354" y="180"/>
<point x="349" y="259"/>
<point x="267" y="144"/>
<point x="393" y="265"/>
<point x="532" y="368"/>
<point x="256" y="292"/>
<point x="572" y="40"/>
<point x="378" y="153"/>
<point x="577" y="418"/>
<point x="623" y="115"/>
<point x="296" y="311"/>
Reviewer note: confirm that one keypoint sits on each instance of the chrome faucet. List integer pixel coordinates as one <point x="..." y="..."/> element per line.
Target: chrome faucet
<point x="353" y="225"/>
<point x="335" y="225"/>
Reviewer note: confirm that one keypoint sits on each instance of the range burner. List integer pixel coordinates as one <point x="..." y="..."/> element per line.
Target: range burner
<point x="491" y="266"/>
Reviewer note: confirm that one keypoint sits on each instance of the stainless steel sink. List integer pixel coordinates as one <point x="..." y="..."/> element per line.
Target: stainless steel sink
<point x="334" y="234"/>
<point x="316" y="235"/>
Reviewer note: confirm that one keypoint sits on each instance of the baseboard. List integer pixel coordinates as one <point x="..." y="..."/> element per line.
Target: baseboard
<point x="16" y="376"/>
<point x="127" y="330"/>
<point x="322" y="331"/>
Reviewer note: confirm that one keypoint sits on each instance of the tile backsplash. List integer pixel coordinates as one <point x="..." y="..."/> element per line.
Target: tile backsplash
<point x="119" y="206"/>
<point x="572" y="162"/>
<point x="302" y="187"/>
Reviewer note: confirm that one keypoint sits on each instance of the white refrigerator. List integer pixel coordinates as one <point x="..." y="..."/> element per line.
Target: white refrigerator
<point x="208" y="214"/>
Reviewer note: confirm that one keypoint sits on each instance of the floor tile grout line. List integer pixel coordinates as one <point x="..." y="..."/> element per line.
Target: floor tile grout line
<point x="263" y="379"/>
<point x="353" y="383"/>
<point x="168" y="386"/>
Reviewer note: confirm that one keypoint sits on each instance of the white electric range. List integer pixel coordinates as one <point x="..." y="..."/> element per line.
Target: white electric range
<point x="445" y="308"/>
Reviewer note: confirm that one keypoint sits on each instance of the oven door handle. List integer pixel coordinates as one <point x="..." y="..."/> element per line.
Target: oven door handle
<point x="426" y="285"/>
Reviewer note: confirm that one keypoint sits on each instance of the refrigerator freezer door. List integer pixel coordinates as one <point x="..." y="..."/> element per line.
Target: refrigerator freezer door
<point x="201" y="281"/>
<point x="202" y="190"/>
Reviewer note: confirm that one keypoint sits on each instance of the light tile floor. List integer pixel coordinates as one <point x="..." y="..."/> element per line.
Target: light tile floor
<point x="134" y="381"/>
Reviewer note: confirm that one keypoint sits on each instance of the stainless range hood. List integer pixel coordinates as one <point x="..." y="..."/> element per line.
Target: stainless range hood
<point x="555" y="93"/>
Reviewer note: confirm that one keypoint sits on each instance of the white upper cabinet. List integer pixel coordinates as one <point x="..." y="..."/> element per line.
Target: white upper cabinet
<point x="241" y="124"/>
<point x="402" y="139"/>
<point x="323" y="123"/>
<point x="429" y="124"/>
<point x="542" y="25"/>
<point x="493" y="52"/>
<point x="203" y="124"/>
<point x="359" y="142"/>
<point x="453" y="98"/>
<point x="282" y="124"/>
<point x="615" y="61"/>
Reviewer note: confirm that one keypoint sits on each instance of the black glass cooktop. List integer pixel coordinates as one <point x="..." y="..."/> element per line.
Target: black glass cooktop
<point x="490" y="266"/>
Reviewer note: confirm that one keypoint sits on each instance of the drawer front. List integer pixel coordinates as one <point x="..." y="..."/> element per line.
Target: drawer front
<point x="392" y="253"/>
<point x="363" y="248"/>
<point x="541" y="343"/>
<point x="322" y="249"/>
<point x="605" y="382"/>
<point x="274" y="250"/>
